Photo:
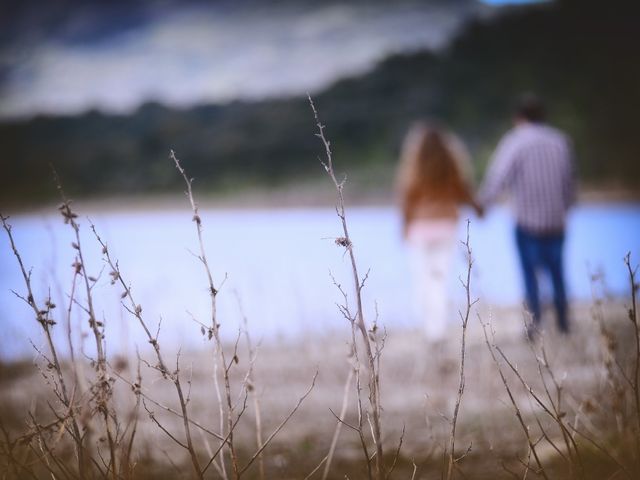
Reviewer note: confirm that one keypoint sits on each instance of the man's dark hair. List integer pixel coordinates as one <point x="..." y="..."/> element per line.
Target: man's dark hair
<point x="530" y="108"/>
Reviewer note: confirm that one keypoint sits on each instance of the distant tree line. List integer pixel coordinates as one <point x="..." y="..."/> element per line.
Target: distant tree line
<point x="581" y="56"/>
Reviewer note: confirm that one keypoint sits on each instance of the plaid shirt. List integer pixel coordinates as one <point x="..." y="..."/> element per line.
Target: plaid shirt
<point x="534" y="164"/>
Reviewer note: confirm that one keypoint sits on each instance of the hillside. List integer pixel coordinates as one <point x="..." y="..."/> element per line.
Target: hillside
<point x="581" y="56"/>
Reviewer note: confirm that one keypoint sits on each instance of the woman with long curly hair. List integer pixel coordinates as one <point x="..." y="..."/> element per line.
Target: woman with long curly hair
<point x="433" y="182"/>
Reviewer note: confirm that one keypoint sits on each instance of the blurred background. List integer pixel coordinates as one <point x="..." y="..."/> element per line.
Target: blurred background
<point x="102" y="90"/>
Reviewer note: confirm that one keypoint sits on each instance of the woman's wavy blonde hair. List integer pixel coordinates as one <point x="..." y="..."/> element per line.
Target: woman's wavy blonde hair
<point x="433" y="169"/>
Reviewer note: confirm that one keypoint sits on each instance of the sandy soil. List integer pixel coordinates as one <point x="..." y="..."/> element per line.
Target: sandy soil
<point x="419" y="381"/>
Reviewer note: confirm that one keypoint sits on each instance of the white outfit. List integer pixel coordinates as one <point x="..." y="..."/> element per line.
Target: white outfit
<point x="432" y="245"/>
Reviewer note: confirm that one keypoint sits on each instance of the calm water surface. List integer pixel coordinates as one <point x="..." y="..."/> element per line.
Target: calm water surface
<point x="278" y="265"/>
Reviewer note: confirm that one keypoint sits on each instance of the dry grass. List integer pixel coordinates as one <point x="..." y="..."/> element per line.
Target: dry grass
<point x="418" y="388"/>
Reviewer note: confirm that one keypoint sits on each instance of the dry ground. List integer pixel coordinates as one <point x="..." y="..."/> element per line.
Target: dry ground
<point x="419" y="382"/>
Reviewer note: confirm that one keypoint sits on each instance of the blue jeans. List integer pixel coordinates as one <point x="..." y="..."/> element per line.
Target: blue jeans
<point x="543" y="252"/>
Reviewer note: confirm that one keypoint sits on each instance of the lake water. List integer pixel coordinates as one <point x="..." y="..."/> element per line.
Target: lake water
<point x="278" y="264"/>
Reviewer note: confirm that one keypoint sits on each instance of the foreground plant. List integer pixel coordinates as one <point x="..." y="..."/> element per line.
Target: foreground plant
<point x="368" y="335"/>
<point x="101" y="449"/>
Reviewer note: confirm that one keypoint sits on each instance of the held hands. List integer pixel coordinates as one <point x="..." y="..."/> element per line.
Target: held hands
<point x="479" y="208"/>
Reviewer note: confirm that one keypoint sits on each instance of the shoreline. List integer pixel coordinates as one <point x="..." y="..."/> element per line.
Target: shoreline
<point x="313" y="196"/>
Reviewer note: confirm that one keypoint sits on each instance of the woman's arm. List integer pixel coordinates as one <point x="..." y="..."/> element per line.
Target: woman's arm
<point x="469" y="198"/>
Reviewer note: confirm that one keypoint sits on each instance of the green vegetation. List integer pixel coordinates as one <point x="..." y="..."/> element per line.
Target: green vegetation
<point x="580" y="55"/>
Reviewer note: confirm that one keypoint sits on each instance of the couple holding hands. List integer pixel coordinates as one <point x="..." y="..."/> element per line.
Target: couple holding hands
<point x="532" y="164"/>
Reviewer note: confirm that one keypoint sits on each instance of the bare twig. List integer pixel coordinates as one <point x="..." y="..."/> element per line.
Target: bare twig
<point x="396" y="455"/>
<point x="215" y="326"/>
<point x="135" y="309"/>
<point x="465" y="320"/>
<point x="103" y="384"/>
<point x="345" y="241"/>
<point x="280" y="426"/>
<point x="336" y="433"/>
<point x="251" y="387"/>
<point x="521" y="421"/>
<point x="43" y="317"/>
<point x="633" y="317"/>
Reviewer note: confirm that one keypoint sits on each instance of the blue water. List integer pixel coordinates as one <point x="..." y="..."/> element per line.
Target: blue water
<point x="278" y="264"/>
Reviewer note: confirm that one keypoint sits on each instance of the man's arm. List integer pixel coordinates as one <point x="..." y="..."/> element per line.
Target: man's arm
<point x="500" y="173"/>
<point x="569" y="185"/>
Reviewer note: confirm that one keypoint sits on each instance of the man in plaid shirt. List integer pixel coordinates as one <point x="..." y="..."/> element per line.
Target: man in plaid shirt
<point x="533" y="164"/>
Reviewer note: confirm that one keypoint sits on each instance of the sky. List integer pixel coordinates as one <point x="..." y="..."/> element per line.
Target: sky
<point x="115" y="60"/>
<point x="511" y="2"/>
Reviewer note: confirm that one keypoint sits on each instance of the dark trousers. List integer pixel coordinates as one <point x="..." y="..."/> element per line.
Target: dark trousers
<point x="543" y="253"/>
